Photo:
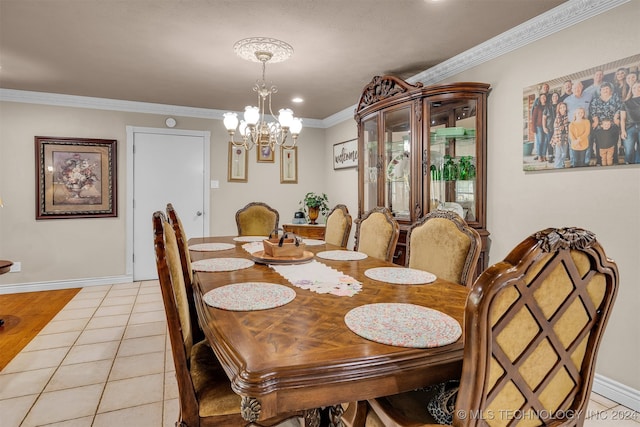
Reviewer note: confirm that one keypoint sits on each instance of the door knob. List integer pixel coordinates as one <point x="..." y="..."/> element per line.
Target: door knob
<point x="199" y="213"/>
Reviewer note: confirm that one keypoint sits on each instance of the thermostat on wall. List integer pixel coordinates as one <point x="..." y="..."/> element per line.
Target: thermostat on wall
<point x="170" y="122"/>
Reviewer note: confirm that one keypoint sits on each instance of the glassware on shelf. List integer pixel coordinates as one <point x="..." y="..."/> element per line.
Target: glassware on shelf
<point x="450" y="169"/>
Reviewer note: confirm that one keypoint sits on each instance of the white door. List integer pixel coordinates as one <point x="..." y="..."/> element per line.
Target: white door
<point x="169" y="166"/>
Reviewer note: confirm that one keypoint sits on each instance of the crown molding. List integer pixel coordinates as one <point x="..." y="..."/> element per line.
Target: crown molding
<point x="75" y="101"/>
<point x="559" y="18"/>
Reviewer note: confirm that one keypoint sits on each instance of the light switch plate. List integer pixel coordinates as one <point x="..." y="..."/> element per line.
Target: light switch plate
<point x="215" y="183"/>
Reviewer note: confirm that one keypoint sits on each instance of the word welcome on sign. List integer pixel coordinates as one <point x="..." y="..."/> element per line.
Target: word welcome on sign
<point x="345" y="154"/>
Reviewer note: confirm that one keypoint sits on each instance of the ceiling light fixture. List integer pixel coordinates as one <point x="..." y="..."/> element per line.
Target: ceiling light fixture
<point x="255" y="129"/>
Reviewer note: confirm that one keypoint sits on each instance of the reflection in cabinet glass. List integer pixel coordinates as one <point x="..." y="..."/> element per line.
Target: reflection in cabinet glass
<point x="424" y="149"/>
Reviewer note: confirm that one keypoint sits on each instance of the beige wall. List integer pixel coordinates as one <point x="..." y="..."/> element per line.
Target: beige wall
<point x="603" y="200"/>
<point x="606" y="201"/>
<point x="74" y="249"/>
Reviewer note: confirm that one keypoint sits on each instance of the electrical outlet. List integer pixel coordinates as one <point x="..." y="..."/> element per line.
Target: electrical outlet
<point x="16" y="267"/>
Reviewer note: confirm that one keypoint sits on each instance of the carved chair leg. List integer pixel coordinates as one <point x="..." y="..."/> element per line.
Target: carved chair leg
<point x="312" y="417"/>
<point x="335" y="416"/>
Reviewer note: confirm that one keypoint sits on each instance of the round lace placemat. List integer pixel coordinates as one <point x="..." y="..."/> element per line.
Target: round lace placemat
<point x="403" y="325"/>
<point x="250" y="238"/>
<point x="400" y="275"/>
<point x="249" y="296"/>
<point x="211" y="247"/>
<point x="221" y="264"/>
<point x="313" y="242"/>
<point x="340" y="255"/>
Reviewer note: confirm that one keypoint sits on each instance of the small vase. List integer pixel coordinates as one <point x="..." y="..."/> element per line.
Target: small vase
<point x="313" y="214"/>
<point x="74" y="190"/>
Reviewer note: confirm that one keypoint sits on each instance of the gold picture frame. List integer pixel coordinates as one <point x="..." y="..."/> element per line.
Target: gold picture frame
<point x="265" y="154"/>
<point x="238" y="164"/>
<point x="289" y="165"/>
<point x="75" y="177"/>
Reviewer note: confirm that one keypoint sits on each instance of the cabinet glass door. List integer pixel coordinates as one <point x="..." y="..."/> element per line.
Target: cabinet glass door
<point x="371" y="163"/>
<point x="397" y="166"/>
<point x="453" y="154"/>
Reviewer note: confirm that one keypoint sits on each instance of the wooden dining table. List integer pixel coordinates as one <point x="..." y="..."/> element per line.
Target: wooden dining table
<point x="301" y="356"/>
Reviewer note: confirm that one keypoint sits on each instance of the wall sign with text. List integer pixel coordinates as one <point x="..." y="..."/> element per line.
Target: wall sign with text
<point x="345" y="154"/>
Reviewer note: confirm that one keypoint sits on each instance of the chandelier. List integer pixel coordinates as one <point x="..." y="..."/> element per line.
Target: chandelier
<point x="255" y="129"/>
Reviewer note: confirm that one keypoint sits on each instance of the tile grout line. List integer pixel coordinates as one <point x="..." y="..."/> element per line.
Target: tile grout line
<point x="26" y="415"/>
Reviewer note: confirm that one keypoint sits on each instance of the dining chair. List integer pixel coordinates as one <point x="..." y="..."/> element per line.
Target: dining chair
<point x="185" y="262"/>
<point x="377" y="233"/>
<point x="257" y="219"/>
<point x="338" y="226"/>
<point x="532" y="327"/>
<point x="204" y="391"/>
<point x="442" y="243"/>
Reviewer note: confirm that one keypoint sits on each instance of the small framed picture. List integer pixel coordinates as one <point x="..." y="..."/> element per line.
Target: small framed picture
<point x="345" y="154"/>
<point x="75" y="177"/>
<point x="289" y="165"/>
<point x="265" y="154"/>
<point x="238" y="164"/>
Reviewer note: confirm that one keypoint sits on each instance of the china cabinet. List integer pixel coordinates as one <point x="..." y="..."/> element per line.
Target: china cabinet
<point x="423" y="148"/>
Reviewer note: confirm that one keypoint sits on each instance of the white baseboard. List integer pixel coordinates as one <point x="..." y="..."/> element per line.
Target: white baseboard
<point x="63" y="284"/>
<point x="617" y="392"/>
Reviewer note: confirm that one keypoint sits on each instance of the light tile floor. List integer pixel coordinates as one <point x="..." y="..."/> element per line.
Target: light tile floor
<point x="105" y="360"/>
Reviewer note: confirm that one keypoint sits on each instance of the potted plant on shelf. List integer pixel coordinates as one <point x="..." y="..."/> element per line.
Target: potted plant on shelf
<point x="314" y="205"/>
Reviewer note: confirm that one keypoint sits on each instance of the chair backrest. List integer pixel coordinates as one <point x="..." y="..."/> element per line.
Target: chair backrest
<point x="176" y="307"/>
<point x="187" y="271"/>
<point x="181" y="237"/>
<point x="257" y="219"/>
<point x="338" y="226"/>
<point x="377" y="233"/>
<point x="533" y="325"/>
<point x="442" y="243"/>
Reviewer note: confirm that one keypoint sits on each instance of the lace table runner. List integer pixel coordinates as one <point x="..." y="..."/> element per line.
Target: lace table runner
<point x="253" y="247"/>
<point x="320" y="278"/>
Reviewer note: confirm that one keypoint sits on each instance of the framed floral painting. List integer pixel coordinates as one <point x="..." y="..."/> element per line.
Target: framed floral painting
<point x="289" y="165"/>
<point x="75" y="178"/>
<point x="237" y="164"/>
<point x="265" y="154"/>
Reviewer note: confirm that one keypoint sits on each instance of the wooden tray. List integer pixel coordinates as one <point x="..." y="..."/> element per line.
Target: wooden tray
<point x="262" y="258"/>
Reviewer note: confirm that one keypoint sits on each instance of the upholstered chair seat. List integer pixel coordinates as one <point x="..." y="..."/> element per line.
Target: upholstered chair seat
<point x="377" y="233"/>
<point x="442" y="243"/>
<point x="257" y="219"/>
<point x="338" y="226"/>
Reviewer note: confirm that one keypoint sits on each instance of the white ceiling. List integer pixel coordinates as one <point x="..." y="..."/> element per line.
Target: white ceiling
<point x="180" y="52"/>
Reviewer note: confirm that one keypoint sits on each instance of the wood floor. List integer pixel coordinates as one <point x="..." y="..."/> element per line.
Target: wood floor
<point x="24" y="315"/>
